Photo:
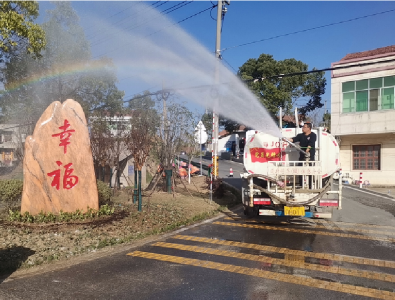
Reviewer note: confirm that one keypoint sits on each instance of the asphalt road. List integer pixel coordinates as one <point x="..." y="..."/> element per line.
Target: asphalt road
<point x="231" y="257"/>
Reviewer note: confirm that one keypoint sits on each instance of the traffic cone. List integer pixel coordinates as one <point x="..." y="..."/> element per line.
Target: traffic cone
<point x="230" y="172"/>
<point x="238" y="154"/>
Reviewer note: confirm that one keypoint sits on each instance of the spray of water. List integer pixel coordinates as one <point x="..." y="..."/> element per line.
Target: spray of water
<point x="156" y="51"/>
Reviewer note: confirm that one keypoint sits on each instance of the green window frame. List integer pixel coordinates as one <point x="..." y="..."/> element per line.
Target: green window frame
<point x="371" y="94"/>
<point x="348" y="102"/>
<point x="375" y="83"/>
<point x="362" y="84"/>
<point x="374" y="96"/>
<point x="389" y="81"/>
<point x="361" y="101"/>
<point x="348" y="86"/>
<point x="387" y="98"/>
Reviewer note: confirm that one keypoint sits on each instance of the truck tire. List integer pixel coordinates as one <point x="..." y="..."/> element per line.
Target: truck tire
<point x="249" y="211"/>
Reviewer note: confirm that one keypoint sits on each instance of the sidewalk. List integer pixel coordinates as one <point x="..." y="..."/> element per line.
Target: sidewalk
<point x="384" y="191"/>
<point x="390" y="191"/>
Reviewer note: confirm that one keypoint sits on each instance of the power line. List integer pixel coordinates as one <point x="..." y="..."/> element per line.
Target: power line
<point x="271" y="77"/>
<point x="119" y="21"/>
<point x="117" y="13"/>
<point x="189" y="2"/>
<point x="309" y="29"/>
<point x="187" y="18"/>
<point x="137" y="12"/>
<point x="164" y="12"/>
<point x="222" y="58"/>
<point x="194" y="15"/>
<point x="182" y="4"/>
<point x="322" y="70"/>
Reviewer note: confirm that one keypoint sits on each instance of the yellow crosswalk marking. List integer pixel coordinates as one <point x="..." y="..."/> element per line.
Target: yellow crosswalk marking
<point x="355" y="224"/>
<point x="294" y="261"/>
<point x="305" y="231"/>
<point x="316" y="283"/>
<point x="337" y="228"/>
<point x="336" y="257"/>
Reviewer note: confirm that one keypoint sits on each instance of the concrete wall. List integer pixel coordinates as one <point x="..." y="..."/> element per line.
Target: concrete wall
<point x="380" y="121"/>
<point x="385" y="176"/>
<point x="127" y="178"/>
<point x="230" y="138"/>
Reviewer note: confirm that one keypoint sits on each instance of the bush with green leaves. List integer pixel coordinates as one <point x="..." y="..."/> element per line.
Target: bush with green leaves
<point x="11" y="191"/>
<point x="104" y="192"/>
<point x="42" y="217"/>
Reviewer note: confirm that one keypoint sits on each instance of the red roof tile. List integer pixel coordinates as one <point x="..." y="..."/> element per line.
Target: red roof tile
<point x="374" y="52"/>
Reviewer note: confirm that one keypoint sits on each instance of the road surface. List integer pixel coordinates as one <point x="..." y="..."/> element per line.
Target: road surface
<point x="231" y="257"/>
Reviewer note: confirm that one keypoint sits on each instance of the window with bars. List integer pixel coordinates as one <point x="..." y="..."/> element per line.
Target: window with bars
<point x="366" y="157"/>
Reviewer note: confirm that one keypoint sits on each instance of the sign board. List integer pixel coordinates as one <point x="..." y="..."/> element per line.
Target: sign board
<point x="200" y="134"/>
<point x="294" y="170"/>
<point x="201" y="137"/>
<point x="130" y="170"/>
<point x="200" y="126"/>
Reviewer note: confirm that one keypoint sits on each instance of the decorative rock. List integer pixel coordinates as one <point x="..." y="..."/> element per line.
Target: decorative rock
<point x="58" y="165"/>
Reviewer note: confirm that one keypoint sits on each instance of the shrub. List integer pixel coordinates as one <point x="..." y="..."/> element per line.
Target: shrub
<point x="11" y="191"/>
<point x="104" y="192"/>
<point x="42" y="217"/>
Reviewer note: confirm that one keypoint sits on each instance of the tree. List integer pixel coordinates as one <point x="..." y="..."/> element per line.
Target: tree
<point x="64" y="71"/>
<point x="143" y="128"/>
<point x="191" y="147"/>
<point x="283" y="91"/>
<point x="101" y="144"/>
<point x="173" y="127"/>
<point x="326" y="119"/>
<point x="142" y="102"/>
<point x="18" y="32"/>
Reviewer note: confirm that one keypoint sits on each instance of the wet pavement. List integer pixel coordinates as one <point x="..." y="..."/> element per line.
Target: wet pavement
<point x="350" y="256"/>
<point x="233" y="257"/>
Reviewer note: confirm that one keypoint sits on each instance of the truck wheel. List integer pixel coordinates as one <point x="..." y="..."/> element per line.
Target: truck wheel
<point x="249" y="211"/>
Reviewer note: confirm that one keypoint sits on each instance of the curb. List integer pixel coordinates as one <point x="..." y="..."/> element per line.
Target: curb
<point x="370" y="191"/>
<point x="110" y="250"/>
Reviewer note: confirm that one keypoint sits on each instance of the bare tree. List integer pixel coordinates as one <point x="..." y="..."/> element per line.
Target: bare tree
<point x="142" y="132"/>
<point x="109" y="140"/>
<point x="190" y="145"/>
<point x="171" y="132"/>
<point x="101" y="143"/>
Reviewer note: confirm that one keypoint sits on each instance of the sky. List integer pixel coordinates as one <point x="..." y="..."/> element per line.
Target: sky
<point x="245" y="22"/>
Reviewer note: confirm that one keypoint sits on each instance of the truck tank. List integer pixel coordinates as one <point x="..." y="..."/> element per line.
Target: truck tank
<point x="262" y="148"/>
<point x="276" y="183"/>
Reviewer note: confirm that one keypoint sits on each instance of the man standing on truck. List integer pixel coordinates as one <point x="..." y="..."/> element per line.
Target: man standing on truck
<point x="306" y="141"/>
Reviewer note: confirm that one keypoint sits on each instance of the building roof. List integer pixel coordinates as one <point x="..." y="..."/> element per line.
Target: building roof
<point x="363" y="54"/>
<point x="225" y="133"/>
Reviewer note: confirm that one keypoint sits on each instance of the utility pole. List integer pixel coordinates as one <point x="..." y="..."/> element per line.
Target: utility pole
<point x="324" y="115"/>
<point x="215" y="114"/>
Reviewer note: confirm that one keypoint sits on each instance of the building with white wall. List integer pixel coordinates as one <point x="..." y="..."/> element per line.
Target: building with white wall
<point x="363" y="114"/>
<point x="11" y="139"/>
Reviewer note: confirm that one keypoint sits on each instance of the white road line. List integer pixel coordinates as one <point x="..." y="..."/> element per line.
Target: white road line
<point x="369" y="193"/>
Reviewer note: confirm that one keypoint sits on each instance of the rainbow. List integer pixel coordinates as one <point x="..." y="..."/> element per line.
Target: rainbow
<point x="57" y="71"/>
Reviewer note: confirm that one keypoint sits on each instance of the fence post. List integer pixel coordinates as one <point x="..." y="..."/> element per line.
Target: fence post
<point x="360" y="180"/>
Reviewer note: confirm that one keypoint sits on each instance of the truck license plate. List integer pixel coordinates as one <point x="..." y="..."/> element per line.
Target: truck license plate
<point x="293" y="211"/>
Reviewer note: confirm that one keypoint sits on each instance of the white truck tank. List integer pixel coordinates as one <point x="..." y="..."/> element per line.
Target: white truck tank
<point x="263" y="150"/>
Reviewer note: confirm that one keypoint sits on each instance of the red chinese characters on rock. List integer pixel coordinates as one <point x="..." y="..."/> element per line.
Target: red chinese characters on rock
<point x="64" y="135"/>
<point x="69" y="181"/>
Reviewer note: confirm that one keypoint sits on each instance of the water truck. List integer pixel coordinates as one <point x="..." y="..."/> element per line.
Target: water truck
<point x="275" y="183"/>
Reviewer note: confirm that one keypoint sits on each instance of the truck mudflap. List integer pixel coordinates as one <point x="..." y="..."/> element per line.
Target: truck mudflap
<point x="308" y="214"/>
